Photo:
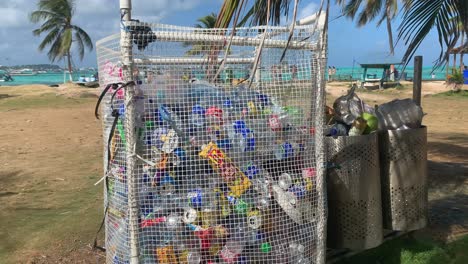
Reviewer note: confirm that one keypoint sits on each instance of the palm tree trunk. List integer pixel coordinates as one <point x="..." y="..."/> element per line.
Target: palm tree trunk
<point x="69" y="65"/>
<point x="389" y="31"/>
<point x="462" y="53"/>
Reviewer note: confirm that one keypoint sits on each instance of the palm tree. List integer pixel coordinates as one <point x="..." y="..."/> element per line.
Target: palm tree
<point x="257" y="13"/>
<point x="421" y="16"/>
<point x="201" y="48"/>
<point x="370" y="10"/>
<point x="61" y="33"/>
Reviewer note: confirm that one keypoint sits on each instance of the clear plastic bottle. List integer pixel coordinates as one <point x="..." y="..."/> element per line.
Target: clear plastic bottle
<point x="198" y="115"/>
<point x="235" y="244"/>
<point x="358" y="127"/>
<point x="287" y="150"/>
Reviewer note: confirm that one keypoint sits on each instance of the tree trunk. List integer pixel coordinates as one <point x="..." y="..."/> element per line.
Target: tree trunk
<point x="461" y="54"/>
<point x="389" y="31"/>
<point x="69" y="66"/>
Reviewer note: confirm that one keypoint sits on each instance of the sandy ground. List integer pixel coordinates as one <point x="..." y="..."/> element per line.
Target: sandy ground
<point x="51" y="156"/>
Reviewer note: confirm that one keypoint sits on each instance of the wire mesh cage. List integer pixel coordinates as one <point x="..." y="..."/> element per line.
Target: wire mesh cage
<point x="226" y="154"/>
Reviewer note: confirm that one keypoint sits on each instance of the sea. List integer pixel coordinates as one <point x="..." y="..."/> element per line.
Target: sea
<point x="341" y="72"/>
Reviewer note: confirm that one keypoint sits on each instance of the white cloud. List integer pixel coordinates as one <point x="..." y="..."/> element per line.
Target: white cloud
<point x="308" y="10"/>
<point x="13" y="17"/>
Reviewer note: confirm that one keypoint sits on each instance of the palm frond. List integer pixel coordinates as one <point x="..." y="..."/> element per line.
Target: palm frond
<point x="54" y="51"/>
<point x="66" y="37"/>
<point x="49" y="38"/>
<point x="39" y="15"/>
<point x="421" y="17"/>
<point x="88" y="43"/>
<point x="80" y="44"/>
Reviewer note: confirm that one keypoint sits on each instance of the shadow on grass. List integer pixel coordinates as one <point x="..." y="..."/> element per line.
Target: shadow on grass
<point x="447" y="216"/>
<point x="409" y="250"/>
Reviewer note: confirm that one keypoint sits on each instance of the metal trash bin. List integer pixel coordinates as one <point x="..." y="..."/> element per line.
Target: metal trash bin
<point x="354" y="201"/>
<point x="403" y="164"/>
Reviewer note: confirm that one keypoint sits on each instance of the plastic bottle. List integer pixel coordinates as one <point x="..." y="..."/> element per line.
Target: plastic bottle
<point x="287" y="150"/>
<point x="358" y="127"/>
<point x="337" y="130"/>
<point x="198" y="115"/>
<point x="235" y="244"/>
<point x="397" y="113"/>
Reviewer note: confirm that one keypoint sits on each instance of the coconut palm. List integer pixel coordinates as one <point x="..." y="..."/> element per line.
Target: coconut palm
<point x="421" y="16"/>
<point x="201" y="48"/>
<point x="61" y="33"/>
<point x="257" y="14"/>
<point x="367" y="11"/>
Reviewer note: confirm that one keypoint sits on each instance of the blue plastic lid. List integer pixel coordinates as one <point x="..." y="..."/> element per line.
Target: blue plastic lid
<point x="228" y="103"/>
<point x="198" y="109"/>
<point x="239" y="125"/>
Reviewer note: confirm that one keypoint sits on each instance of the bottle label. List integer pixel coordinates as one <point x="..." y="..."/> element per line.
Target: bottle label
<point x="236" y="180"/>
<point x="228" y="256"/>
<point x="274" y="123"/>
<point x="166" y="255"/>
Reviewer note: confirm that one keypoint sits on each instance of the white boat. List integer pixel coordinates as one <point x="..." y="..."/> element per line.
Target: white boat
<point x="23" y="72"/>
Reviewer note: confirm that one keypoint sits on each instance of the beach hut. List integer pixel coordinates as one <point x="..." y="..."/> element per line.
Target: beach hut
<point x="386" y="64"/>
<point x="201" y="171"/>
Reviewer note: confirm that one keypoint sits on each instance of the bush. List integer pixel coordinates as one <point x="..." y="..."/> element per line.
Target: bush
<point x="456" y="77"/>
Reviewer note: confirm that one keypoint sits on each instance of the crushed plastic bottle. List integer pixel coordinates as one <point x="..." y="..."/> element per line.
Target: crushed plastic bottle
<point x="399" y="113"/>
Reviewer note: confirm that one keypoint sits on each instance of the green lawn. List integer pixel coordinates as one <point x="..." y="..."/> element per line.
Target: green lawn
<point x="409" y="250"/>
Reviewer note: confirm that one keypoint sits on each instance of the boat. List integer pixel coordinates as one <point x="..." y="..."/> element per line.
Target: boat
<point x="5" y="77"/>
<point x="23" y="72"/>
<point x="41" y="72"/>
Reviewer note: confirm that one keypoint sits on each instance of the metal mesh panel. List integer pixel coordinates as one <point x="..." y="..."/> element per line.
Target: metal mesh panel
<point x="354" y="199"/>
<point x="229" y="166"/>
<point x="403" y="158"/>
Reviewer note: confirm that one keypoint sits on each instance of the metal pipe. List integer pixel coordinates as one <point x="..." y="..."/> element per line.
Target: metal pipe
<point x="130" y="170"/>
<point x="188" y="60"/>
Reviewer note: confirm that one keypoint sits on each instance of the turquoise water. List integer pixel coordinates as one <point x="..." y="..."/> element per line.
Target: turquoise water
<point x="427" y="73"/>
<point x="356" y="72"/>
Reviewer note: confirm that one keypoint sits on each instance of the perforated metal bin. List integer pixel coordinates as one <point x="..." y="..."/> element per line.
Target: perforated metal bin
<point x="353" y="183"/>
<point x="403" y="163"/>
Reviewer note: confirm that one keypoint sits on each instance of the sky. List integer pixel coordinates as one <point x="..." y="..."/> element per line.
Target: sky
<point x="100" y="18"/>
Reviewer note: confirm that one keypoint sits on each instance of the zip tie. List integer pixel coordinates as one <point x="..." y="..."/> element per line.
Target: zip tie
<point x="100" y="180"/>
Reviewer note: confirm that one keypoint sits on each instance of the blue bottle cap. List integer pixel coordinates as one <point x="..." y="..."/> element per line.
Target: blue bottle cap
<point x="198" y="109"/>
<point x="288" y="149"/>
<point x="251" y="171"/>
<point x="180" y="153"/>
<point x="263" y="99"/>
<point x="239" y="125"/>
<point x="227" y="103"/>
<point x="195" y="198"/>
<point x="224" y="144"/>
<point x="122" y="110"/>
<point x="298" y="190"/>
<point x="167" y="179"/>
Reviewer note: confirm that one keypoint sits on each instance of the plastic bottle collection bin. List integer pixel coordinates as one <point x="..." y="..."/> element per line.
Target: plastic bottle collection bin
<point x="224" y="173"/>
<point x="403" y="162"/>
<point x="354" y="200"/>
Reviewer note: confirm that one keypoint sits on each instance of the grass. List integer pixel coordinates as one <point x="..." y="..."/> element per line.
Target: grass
<point x="16" y="102"/>
<point x="463" y="94"/>
<point x="409" y="250"/>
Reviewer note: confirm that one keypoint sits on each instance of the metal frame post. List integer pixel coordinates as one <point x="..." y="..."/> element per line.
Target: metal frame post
<point x="130" y="124"/>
